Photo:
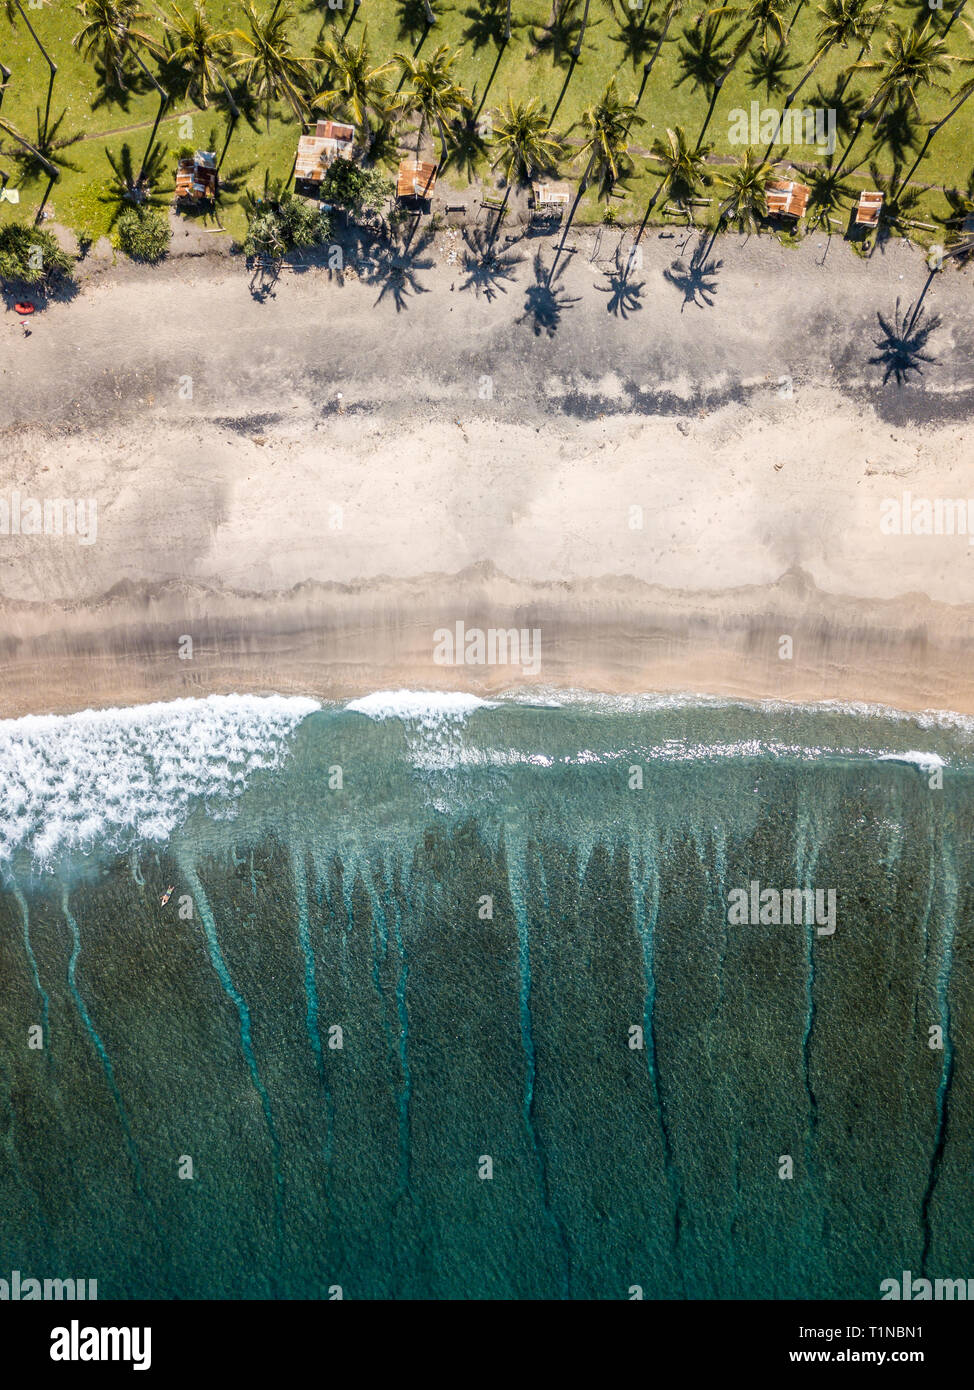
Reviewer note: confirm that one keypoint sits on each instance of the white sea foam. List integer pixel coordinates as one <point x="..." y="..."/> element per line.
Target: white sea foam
<point x="423" y="706"/>
<point x="926" y="762"/>
<point x="117" y="776"/>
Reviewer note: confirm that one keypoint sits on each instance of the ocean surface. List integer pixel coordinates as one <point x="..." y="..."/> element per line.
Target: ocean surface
<point x="447" y="1001"/>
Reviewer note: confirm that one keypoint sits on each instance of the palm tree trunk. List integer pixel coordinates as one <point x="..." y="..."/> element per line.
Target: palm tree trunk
<point x="710" y="111"/>
<point x="857" y="132"/>
<point x="954" y="15"/>
<point x="738" y="53"/>
<point x="577" y="50"/>
<point x="52" y="66"/>
<point x="648" y="67"/>
<point x="507" y="24"/>
<point x="233" y="105"/>
<point x="805" y="76"/>
<point x="161" y="90"/>
<point x="848" y="77"/>
<point x="500" y="215"/>
<point x="430" y="16"/>
<point x="663" y="183"/>
<point x="791" y="97"/>
<point x="51" y="169"/>
<point x="933" y="131"/>
<point x="583" y="182"/>
<point x="163" y="103"/>
<point x="795" y="13"/>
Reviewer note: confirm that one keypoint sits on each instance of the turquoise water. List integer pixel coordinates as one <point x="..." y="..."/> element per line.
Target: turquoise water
<point x="529" y="959"/>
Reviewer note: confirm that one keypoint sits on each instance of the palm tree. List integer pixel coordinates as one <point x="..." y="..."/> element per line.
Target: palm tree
<point x="747" y="184"/>
<point x="109" y="33"/>
<point x="352" y="83"/>
<point x="577" y="50"/>
<point x="433" y="93"/>
<point x="912" y="59"/>
<point x="955" y="14"/>
<point x="759" y="16"/>
<point x="842" y="22"/>
<point x="684" y="169"/>
<point x="525" y="143"/>
<point x="960" y="96"/>
<point x="33" y="152"/>
<point x="141" y="189"/>
<point x="201" y="50"/>
<point x="12" y="8"/>
<point x="607" y="124"/>
<point x="672" y="10"/>
<point x="270" y="68"/>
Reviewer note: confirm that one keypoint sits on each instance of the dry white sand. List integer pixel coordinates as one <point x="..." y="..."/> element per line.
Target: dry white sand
<point x="308" y="550"/>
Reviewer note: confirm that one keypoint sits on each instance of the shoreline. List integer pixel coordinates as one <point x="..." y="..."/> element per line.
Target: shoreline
<point x="615" y="637"/>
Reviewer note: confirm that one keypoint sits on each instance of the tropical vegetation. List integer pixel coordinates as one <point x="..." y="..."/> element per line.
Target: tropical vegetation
<point x="631" y="102"/>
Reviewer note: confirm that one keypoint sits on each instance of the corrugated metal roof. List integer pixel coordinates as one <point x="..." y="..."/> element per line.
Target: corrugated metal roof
<point x="196" y="178"/>
<point x="316" y="152"/>
<point x="868" y="210"/>
<point x="417" y="179"/>
<point x="787" y="198"/>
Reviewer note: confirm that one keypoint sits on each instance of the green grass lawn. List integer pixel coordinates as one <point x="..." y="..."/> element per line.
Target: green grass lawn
<point x="521" y="69"/>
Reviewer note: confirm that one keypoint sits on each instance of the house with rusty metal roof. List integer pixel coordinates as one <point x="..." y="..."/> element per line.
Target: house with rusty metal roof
<point x="416" y="179"/>
<point x="197" y="180"/>
<point x="330" y="141"/>
<point x="786" y="198"/>
<point x="869" y="207"/>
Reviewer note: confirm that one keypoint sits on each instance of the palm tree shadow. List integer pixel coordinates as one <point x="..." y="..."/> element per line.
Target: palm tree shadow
<point x="901" y="349"/>
<point x="696" y="279"/>
<point x="638" y="34"/>
<point x="487" y="25"/>
<point x="413" y="20"/>
<point x="263" y="279"/>
<point x="625" y="295"/>
<point x="50" y="144"/>
<point x="468" y="151"/>
<point x="770" y="69"/>
<point x="394" y="268"/>
<point x="560" y="36"/>
<point x="488" y="271"/>
<point x="898" y="133"/>
<point x="545" y="301"/>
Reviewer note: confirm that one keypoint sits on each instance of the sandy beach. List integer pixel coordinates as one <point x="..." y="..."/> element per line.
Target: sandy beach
<point x="665" y="494"/>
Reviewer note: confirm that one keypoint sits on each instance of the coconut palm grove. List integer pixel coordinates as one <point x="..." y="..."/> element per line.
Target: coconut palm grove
<point x="785" y="117"/>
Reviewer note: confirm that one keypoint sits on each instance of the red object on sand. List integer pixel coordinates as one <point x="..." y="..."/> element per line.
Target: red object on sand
<point x="24" y="308"/>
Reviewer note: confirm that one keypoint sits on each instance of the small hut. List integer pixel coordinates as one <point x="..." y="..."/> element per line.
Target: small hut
<point x="316" y="152"/>
<point x="416" y="180"/>
<point x="196" y="178"/>
<point x="787" y="198"/>
<point x="549" y="199"/>
<point x="869" y="207"/>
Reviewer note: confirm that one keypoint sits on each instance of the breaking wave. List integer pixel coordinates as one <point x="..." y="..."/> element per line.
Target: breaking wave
<point x="116" y="776"/>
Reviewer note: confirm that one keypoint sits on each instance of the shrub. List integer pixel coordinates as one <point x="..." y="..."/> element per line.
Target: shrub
<point x="347" y="185"/>
<point x="31" y="255"/>
<point x="284" y="224"/>
<point x="143" y="234"/>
